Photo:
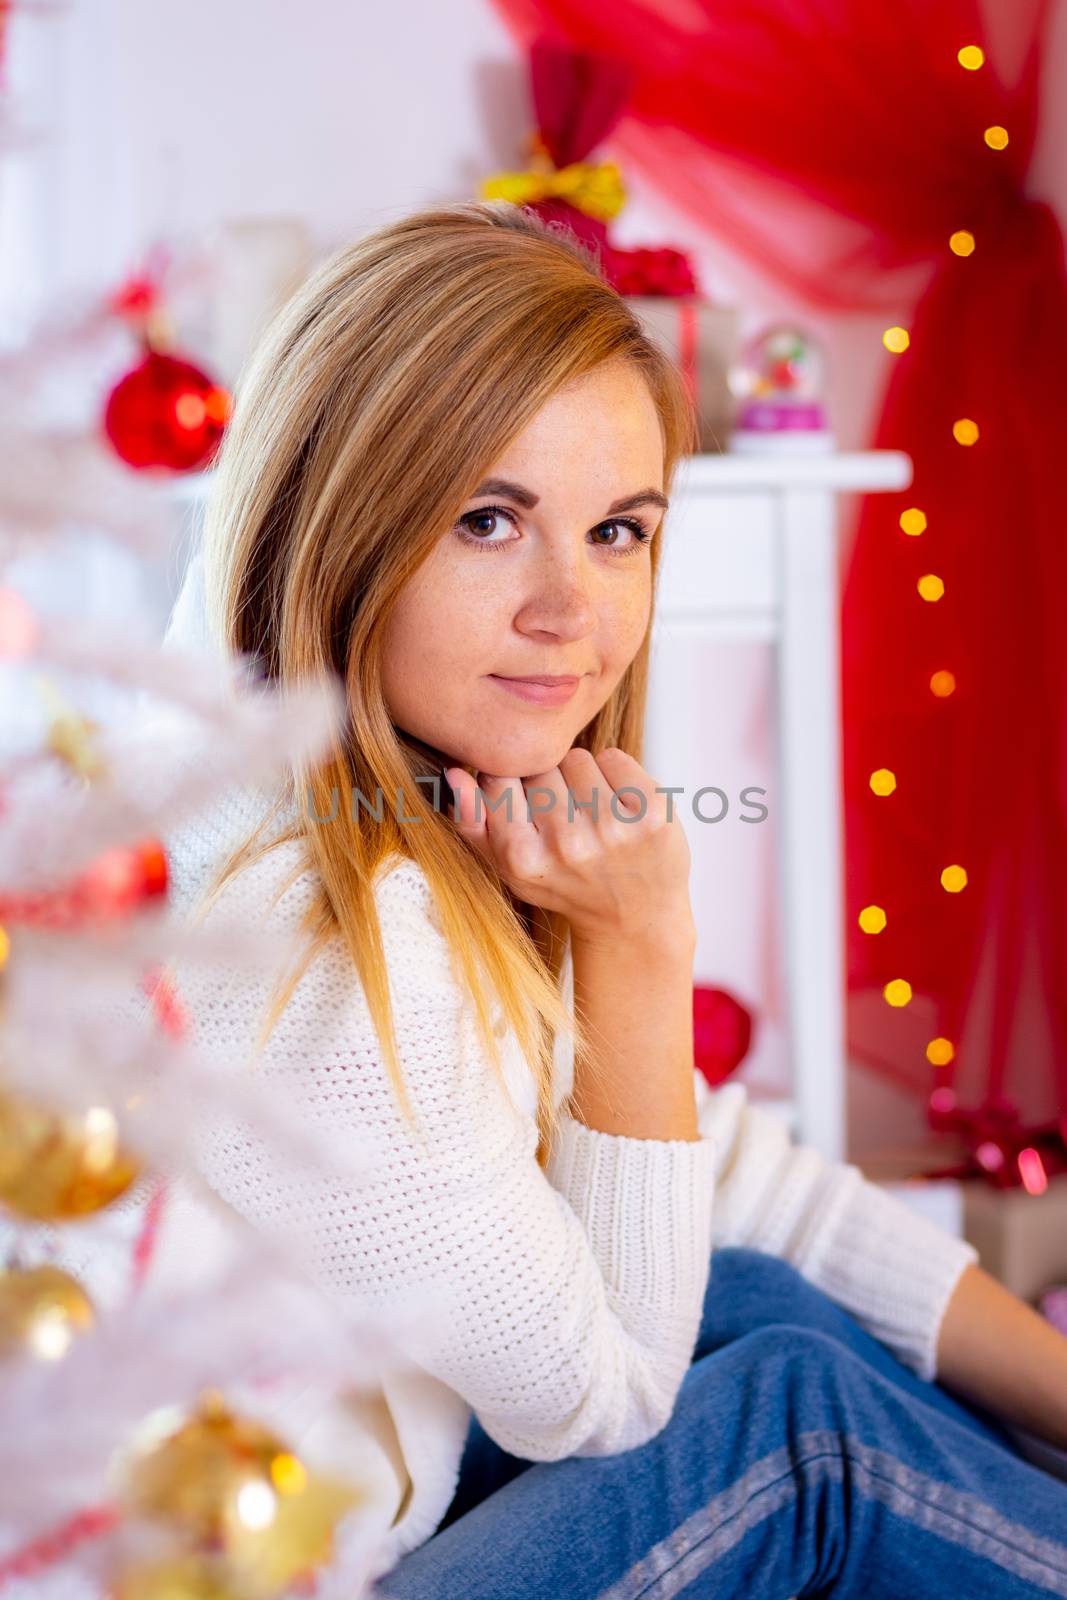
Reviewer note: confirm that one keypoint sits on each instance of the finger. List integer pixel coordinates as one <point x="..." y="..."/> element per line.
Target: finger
<point x="546" y="801"/>
<point x="587" y="791"/>
<point x="511" y="831"/>
<point x="634" y="789"/>
<point x="469" y="819"/>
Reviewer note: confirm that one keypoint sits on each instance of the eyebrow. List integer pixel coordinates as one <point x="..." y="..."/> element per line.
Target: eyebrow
<point x="527" y="498"/>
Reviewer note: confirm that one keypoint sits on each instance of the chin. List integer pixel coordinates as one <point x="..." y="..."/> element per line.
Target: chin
<point x="523" y="758"/>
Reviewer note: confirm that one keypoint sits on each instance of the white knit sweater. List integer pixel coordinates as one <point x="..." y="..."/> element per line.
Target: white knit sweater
<point x="568" y="1300"/>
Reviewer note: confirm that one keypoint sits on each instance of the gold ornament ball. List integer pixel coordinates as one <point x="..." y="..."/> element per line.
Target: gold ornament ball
<point x="42" y="1312"/>
<point x="56" y="1165"/>
<point x="226" y="1485"/>
<point x="182" y="1577"/>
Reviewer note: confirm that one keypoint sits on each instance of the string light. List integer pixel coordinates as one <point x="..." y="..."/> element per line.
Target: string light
<point x="1032" y="1171"/>
<point x="896" y="340"/>
<point x="883" y="781"/>
<point x="943" y="684"/>
<point x="913" y="521"/>
<point x="964" y="431"/>
<point x="989" y="1155"/>
<point x="961" y="243"/>
<point x="953" y="879"/>
<point x="872" y="919"/>
<point x="897" y="992"/>
<point x="931" y="587"/>
<point x="996" y="137"/>
<point x="971" y="57"/>
<point x="18" y="626"/>
<point x="939" y="1052"/>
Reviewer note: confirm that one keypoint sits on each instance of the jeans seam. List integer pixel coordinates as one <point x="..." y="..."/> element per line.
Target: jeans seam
<point x="859" y="1467"/>
<point x="963" y="1522"/>
<point x="821" y="1455"/>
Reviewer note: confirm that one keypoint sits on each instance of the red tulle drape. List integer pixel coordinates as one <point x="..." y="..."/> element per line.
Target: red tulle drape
<point x="837" y="144"/>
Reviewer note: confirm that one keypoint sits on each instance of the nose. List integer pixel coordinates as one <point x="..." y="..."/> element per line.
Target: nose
<point x="559" y="601"/>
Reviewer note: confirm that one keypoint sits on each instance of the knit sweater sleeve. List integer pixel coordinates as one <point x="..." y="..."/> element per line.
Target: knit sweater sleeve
<point x="563" y="1306"/>
<point x="894" y="1270"/>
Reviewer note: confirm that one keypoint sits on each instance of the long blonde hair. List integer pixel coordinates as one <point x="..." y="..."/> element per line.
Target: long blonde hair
<point x="380" y="394"/>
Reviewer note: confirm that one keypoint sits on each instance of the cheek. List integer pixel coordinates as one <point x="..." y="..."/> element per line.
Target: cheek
<point x="435" y="636"/>
<point x="626" y="622"/>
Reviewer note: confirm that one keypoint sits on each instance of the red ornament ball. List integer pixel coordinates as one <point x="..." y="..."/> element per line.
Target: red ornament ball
<point x="166" y="413"/>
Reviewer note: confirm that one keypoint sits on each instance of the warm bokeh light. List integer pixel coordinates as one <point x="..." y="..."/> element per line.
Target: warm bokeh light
<point x="288" y="1473"/>
<point x="5" y="946"/>
<point x="996" y="137"/>
<point x="964" y="431"/>
<point x="943" y="684"/>
<point x="897" y="992"/>
<point x="896" y="340"/>
<point x="190" y="411"/>
<point x="218" y="403"/>
<point x="989" y="1156"/>
<point x="883" y="781"/>
<point x="940" y="1051"/>
<point x="962" y="243"/>
<point x="872" y="919"/>
<point x="1032" y="1171"/>
<point x="954" y="879"/>
<point x="972" y="56"/>
<point x="913" y="521"/>
<point x="18" y="626"/>
<point x="931" y="587"/>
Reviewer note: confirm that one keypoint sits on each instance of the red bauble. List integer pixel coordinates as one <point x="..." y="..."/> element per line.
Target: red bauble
<point x="166" y="413"/>
<point x="722" y="1032"/>
<point x="113" y="886"/>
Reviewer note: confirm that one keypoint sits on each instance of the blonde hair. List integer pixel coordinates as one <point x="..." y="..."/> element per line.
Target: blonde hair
<point x="380" y="394"/>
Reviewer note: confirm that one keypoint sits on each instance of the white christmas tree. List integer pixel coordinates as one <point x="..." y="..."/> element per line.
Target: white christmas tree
<point x="141" y="1453"/>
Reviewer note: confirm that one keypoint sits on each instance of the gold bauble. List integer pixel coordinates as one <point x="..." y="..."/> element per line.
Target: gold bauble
<point x="227" y="1486"/>
<point x="182" y="1577"/>
<point x="42" y="1312"/>
<point x="56" y="1165"/>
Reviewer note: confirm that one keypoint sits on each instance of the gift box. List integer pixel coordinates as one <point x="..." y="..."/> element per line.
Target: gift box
<point x="1020" y="1237"/>
<point x="702" y="340"/>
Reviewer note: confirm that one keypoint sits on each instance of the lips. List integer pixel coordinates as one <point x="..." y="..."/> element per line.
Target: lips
<point x="549" y="681"/>
<point x="540" y="691"/>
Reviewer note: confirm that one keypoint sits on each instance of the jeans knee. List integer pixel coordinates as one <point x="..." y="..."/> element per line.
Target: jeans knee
<point x="795" y="1359"/>
<point x="765" y="1279"/>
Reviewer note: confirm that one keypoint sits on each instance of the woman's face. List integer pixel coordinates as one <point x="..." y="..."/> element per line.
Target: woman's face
<point x="544" y="574"/>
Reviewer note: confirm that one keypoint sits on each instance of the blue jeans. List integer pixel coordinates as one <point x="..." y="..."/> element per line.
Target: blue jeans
<point x="801" y="1458"/>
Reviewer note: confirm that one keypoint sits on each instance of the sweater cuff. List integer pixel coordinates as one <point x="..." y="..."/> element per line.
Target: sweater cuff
<point x="894" y="1269"/>
<point x="645" y="1206"/>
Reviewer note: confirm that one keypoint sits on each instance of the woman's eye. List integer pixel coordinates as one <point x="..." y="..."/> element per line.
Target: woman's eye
<point x="637" y="536"/>
<point x="476" y="528"/>
<point x="477" y="525"/>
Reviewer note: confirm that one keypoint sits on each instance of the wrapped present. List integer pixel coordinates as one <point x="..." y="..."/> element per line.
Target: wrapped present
<point x="702" y="340"/>
<point x="1021" y="1238"/>
<point x="578" y="96"/>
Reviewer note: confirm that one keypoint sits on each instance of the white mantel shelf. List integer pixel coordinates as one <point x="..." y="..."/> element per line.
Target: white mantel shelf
<point x="850" y="470"/>
<point x="859" y="469"/>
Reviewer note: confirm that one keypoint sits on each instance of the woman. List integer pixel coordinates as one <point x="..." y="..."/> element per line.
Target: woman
<point x="702" y="1360"/>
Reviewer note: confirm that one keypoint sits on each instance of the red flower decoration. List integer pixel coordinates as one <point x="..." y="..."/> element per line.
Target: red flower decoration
<point x="722" y="1032"/>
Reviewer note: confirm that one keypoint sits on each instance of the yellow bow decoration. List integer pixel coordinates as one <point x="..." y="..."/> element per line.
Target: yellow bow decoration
<point x="593" y="187"/>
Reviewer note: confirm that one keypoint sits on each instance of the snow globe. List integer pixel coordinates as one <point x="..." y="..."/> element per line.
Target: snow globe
<point x="779" y="384"/>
